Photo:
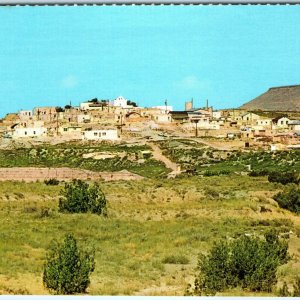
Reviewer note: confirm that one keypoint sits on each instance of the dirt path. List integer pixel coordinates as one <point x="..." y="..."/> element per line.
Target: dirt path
<point x="41" y="174"/>
<point x="158" y="155"/>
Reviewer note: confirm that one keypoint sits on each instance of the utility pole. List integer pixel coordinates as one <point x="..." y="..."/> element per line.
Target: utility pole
<point x="196" y="129"/>
<point x="57" y="123"/>
<point x="121" y="122"/>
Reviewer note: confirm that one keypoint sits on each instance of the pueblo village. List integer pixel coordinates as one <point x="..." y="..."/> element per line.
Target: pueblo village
<point x="113" y="198"/>
<point x="150" y="150"/>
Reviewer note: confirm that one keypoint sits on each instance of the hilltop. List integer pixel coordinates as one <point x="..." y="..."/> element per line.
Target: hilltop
<point x="283" y="98"/>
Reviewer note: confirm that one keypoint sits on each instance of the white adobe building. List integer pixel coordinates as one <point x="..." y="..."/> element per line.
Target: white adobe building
<point x="121" y="102"/>
<point x="101" y="135"/>
<point x="29" y="132"/>
<point x="217" y="114"/>
<point x="162" y="118"/>
<point x="164" y="107"/>
<point x="283" y="122"/>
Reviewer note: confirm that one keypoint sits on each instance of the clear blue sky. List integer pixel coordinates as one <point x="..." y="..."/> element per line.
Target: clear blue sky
<point x="229" y="54"/>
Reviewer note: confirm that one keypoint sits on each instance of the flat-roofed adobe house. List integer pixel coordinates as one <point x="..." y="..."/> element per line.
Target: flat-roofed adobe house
<point x="281" y="122"/>
<point x="29" y="132"/>
<point x="179" y="116"/>
<point x="101" y="135"/>
<point x="46" y="114"/>
<point x="95" y="104"/>
<point x="250" y="118"/>
<point x="294" y="125"/>
<point x="25" y="115"/>
<point x="69" y="129"/>
<point x="161" y="118"/>
<point x="264" y="122"/>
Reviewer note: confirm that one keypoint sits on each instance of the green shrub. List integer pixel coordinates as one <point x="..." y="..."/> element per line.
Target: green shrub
<point x="51" y="181"/>
<point x="176" y="259"/>
<point x="258" y="173"/>
<point x="67" y="269"/>
<point x="283" y="178"/>
<point x="289" y="198"/>
<point x="247" y="262"/>
<point x="80" y="197"/>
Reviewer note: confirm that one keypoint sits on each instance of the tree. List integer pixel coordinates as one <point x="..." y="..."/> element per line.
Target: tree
<point x="80" y="197"/>
<point x="248" y="262"/>
<point x="59" y="109"/>
<point x="289" y="198"/>
<point x="94" y="100"/>
<point x="67" y="269"/>
<point x="131" y="103"/>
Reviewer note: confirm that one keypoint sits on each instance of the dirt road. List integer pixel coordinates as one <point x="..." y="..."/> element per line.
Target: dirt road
<point x="158" y="155"/>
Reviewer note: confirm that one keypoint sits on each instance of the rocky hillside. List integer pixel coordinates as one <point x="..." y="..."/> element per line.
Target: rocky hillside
<point x="284" y="98"/>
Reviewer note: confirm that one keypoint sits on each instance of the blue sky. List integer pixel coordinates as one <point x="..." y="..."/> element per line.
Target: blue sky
<point x="229" y="54"/>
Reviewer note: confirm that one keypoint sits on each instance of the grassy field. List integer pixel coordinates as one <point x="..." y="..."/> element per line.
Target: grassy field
<point x="150" y="241"/>
<point x="73" y="155"/>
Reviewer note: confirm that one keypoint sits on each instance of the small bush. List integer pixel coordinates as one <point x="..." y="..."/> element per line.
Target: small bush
<point x="284" y="178"/>
<point x="289" y="199"/>
<point x="247" y="262"/>
<point x="80" y="197"/>
<point x="51" y="181"/>
<point x="67" y="269"/>
<point x="45" y="212"/>
<point x="258" y="173"/>
<point x="176" y="259"/>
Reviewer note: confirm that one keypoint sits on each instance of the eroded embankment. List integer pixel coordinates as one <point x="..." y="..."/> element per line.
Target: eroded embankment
<point x="41" y="174"/>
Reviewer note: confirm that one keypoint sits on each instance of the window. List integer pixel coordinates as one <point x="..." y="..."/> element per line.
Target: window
<point x="25" y="132"/>
<point x="104" y="133"/>
<point x="95" y="134"/>
<point x="34" y="132"/>
<point x="65" y="129"/>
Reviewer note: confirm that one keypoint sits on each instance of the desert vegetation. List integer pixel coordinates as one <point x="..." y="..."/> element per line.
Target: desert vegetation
<point x="202" y="159"/>
<point x="247" y="262"/>
<point x="67" y="269"/>
<point x="89" y="156"/>
<point x="150" y="241"/>
<point x="80" y="197"/>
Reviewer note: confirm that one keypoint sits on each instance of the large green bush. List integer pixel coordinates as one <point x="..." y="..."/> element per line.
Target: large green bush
<point x="80" y="197"/>
<point x="289" y="198"/>
<point x="67" y="269"/>
<point x="284" y="177"/>
<point x="248" y="262"/>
